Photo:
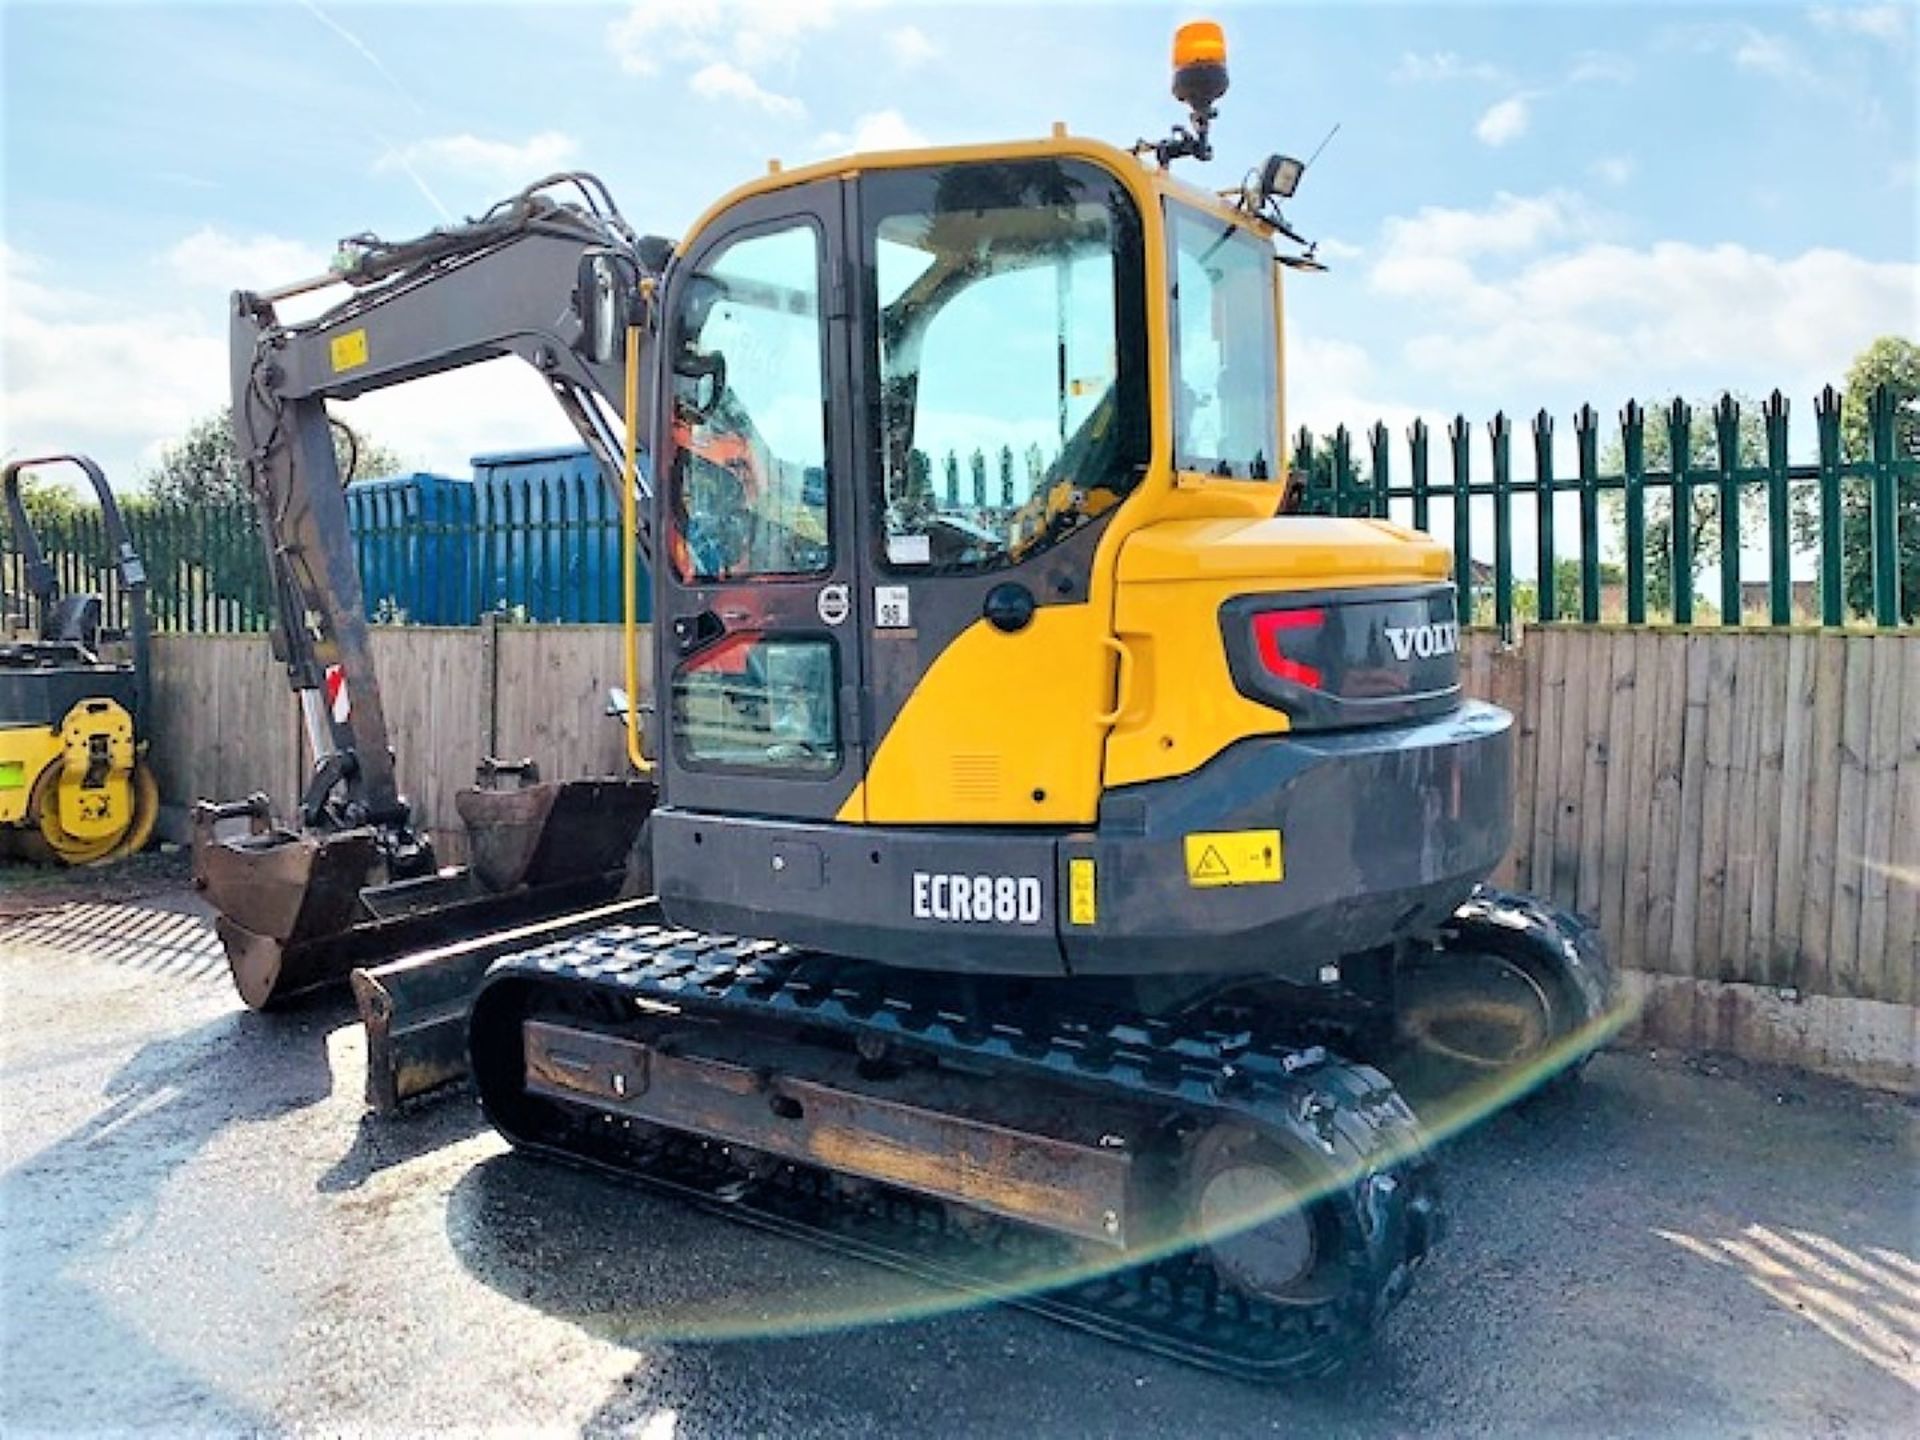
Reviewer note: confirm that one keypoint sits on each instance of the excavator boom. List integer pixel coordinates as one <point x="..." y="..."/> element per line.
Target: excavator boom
<point x="351" y="879"/>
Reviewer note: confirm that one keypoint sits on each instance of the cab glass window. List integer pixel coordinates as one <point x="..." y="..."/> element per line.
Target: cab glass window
<point x="1226" y="391"/>
<point x="754" y="703"/>
<point x="1007" y="339"/>
<point x="749" y="487"/>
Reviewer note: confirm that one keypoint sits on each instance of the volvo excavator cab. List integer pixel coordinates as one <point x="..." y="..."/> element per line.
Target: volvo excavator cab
<point x="1028" y="797"/>
<point x="976" y="593"/>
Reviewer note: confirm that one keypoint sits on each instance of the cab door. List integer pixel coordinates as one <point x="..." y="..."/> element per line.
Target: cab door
<point x="756" y="662"/>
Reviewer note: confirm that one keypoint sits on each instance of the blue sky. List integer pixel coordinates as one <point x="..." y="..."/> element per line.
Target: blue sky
<point x="1526" y="205"/>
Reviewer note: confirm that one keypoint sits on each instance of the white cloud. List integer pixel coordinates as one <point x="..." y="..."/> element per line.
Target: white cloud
<point x="910" y="47"/>
<point x="1504" y="122"/>
<point x="1333" y="248"/>
<point x="214" y="259"/>
<point x="1878" y="22"/>
<point x="1528" y="294"/>
<point x="750" y="34"/>
<point x="879" y="130"/>
<point x="1767" y="54"/>
<point x="1440" y="66"/>
<point x="1614" y="169"/>
<point x="1600" y="67"/>
<point x="722" y="81"/>
<point x="1512" y="225"/>
<point x="65" y="352"/>
<point x="1747" y="48"/>
<point x="502" y="162"/>
<point x="164" y="363"/>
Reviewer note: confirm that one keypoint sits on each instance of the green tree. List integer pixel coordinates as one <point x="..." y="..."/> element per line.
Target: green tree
<point x="49" y="501"/>
<point x="1892" y="361"/>
<point x="1321" y="473"/>
<point x="1703" y="456"/>
<point x="1566" y="590"/>
<point x="201" y="467"/>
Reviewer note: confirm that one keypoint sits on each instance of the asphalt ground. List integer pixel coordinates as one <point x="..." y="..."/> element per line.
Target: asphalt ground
<point x="199" y="1232"/>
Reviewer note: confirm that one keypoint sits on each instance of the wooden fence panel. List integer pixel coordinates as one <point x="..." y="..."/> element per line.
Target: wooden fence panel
<point x="430" y="681"/>
<point x="1735" y="809"/>
<point x="553" y="686"/>
<point x="224" y="724"/>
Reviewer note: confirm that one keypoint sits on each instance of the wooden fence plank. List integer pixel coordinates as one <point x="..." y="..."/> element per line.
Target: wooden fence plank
<point x="1507" y="688"/>
<point x="1663" y="843"/>
<point x="1615" y="827"/>
<point x="1634" y="787"/>
<point x="1790" y="810"/>
<point x="1597" y="718"/>
<point x="1750" y="691"/>
<point x="1722" y="701"/>
<point x="1551" y="661"/>
<point x="1569" y="742"/>
<point x="1902" y="982"/>
<point x="1814" y="970"/>
<point x="1849" y="853"/>
<point x="1688" y="860"/>
<point x="1881" y="763"/>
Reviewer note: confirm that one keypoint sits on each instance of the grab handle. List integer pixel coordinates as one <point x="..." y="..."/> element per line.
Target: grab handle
<point x="1123" y="681"/>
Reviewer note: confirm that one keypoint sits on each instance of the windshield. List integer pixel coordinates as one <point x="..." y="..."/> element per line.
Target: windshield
<point x="1225" y="348"/>
<point x="1009" y="347"/>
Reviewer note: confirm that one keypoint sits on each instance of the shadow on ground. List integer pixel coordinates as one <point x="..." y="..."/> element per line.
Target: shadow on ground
<point x="1653" y="1253"/>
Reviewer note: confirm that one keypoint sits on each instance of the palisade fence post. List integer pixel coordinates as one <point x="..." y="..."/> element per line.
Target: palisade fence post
<point x="1726" y="422"/>
<point x="1460" y="436"/>
<point x="1779" y="542"/>
<point x="1586" y="423"/>
<point x="1502" y="431"/>
<point x="1381" y="447"/>
<point x="1826" y="413"/>
<point x="1316" y="500"/>
<point x="1680" y="446"/>
<point x="1417" y="441"/>
<point x="1546" y="592"/>
<point x="1883" y="517"/>
<point x="203" y="572"/>
<point x="1344" y="488"/>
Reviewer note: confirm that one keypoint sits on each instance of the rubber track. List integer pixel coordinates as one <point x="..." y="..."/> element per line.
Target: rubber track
<point x="1564" y="945"/>
<point x="1343" y="1117"/>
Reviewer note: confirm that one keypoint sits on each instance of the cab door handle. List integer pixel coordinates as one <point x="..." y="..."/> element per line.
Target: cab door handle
<point x="1123" y="680"/>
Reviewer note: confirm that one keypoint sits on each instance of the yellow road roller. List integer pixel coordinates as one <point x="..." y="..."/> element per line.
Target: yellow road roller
<point x="75" y="788"/>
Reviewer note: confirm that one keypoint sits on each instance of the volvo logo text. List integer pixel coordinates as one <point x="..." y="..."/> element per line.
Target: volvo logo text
<point x="1442" y="637"/>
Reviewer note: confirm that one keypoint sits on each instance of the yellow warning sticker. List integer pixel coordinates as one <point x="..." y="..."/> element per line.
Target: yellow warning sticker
<point x="1082" y="907"/>
<point x="348" y="351"/>
<point x="1234" y="857"/>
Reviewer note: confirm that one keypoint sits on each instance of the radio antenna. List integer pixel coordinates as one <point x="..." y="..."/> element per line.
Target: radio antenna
<point x="1321" y="146"/>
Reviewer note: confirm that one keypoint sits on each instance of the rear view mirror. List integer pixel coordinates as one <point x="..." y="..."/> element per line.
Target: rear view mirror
<point x="607" y="297"/>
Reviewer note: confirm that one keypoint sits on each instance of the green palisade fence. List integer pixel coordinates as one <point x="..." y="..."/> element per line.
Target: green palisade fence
<point x="1855" y="516"/>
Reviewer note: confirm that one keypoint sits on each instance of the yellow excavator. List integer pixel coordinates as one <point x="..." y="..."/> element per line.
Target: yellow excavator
<point x="75" y="787"/>
<point x="1003" y="872"/>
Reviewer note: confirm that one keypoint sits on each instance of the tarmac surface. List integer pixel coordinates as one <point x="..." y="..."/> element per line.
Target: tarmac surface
<point x="199" y="1232"/>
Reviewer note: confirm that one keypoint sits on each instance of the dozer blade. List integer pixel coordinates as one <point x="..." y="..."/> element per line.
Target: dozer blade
<point x="415" y="1008"/>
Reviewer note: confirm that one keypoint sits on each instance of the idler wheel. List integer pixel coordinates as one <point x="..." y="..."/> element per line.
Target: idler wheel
<point x="1255" y="1216"/>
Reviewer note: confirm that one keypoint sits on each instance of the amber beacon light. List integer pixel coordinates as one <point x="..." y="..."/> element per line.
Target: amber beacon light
<point x="1199" y="64"/>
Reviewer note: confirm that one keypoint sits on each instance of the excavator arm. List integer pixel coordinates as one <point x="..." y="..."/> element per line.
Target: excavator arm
<point x="508" y="284"/>
<point x="555" y="283"/>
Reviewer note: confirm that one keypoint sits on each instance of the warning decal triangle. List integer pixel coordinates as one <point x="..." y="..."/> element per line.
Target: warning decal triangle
<point x="1211" y="866"/>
